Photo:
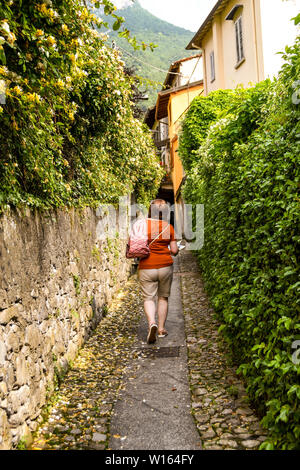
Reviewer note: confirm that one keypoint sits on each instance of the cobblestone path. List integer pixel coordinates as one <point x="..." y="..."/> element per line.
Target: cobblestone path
<point x="80" y="415"/>
<point x="219" y="400"/>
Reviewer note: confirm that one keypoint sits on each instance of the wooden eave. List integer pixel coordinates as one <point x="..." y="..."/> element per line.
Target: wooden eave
<point x="206" y="25"/>
<point x="164" y="96"/>
<point x="175" y="67"/>
<point x="150" y="117"/>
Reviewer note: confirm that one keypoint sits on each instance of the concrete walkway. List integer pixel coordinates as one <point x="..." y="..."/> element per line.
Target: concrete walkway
<point x="154" y="409"/>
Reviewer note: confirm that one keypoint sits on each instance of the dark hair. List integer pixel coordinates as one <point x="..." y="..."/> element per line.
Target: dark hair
<point x="159" y="209"/>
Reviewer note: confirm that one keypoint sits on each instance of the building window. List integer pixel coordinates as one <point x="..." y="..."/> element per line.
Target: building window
<point x="239" y="40"/>
<point x="212" y="67"/>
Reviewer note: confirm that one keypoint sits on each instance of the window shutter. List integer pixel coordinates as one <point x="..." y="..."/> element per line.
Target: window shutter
<point x="212" y="66"/>
<point x="241" y="39"/>
<point x="237" y="41"/>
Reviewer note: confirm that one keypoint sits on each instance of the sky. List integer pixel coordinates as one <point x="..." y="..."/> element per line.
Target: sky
<point x="188" y="14"/>
<point x="278" y="30"/>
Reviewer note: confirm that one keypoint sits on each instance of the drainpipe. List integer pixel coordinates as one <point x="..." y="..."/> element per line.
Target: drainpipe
<point x="204" y="68"/>
<point x="255" y="39"/>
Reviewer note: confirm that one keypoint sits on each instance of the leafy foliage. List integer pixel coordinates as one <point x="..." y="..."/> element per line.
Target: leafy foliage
<point x="197" y="122"/>
<point x="68" y="136"/>
<point x="246" y="173"/>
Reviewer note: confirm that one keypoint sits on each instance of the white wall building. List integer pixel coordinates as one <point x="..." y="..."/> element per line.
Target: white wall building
<point x="278" y="31"/>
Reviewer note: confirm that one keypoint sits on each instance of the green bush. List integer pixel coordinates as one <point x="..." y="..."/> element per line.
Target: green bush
<point x="68" y="136"/>
<point x="246" y="173"/>
<point x="197" y="122"/>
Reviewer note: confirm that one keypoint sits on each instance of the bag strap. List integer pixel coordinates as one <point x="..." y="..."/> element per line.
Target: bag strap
<point x="159" y="235"/>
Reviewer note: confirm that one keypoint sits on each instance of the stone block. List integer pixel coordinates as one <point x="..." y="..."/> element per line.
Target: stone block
<point x="5" y="433"/>
<point x="3" y="299"/>
<point x="3" y="390"/>
<point x="9" y="375"/>
<point x="3" y="352"/>
<point x="33" y="337"/>
<point x="71" y="351"/>
<point x="20" y="416"/>
<point x="14" y="339"/>
<point x="17" y="398"/>
<point x="58" y="349"/>
<point x="22" y="372"/>
<point x="9" y="313"/>
<point x="30" y="364"/>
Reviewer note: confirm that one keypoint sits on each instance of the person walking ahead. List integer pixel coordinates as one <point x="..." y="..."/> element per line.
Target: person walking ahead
<point x="156" y="271"/>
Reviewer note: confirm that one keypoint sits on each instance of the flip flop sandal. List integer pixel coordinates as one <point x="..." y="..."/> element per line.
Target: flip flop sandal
<point x="151" y="338"/>
<point x="163" y="334"/>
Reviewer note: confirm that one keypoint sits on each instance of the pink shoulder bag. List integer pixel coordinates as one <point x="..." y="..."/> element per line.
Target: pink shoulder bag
<point x="138" y="246"/>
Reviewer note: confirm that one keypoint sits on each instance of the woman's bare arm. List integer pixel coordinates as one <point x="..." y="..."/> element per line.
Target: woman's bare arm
<point x="174" y="248"/>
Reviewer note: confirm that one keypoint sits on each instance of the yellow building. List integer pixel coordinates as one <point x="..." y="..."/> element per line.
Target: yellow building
<point x="183" y="83"/>
<point x="230" y="40"/>
<point x="173" y="104"/>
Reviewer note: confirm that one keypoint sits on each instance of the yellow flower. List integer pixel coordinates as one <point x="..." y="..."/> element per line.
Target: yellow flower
<point x="60" y="83"/>
<point x="84" y="14"/>
<point x="18" y="90"/>
<point x="33" y="97"/>
<point x="39" y="33"/>
<point x="3" y="70"/>
<point x="51" y="41"/>
<point x="71" y="116"/>
<point x="11" y="38"/>
<point x="43" y="8"/>
<point x="93" y="17"/>
<point x="50" y="13"/>
<point x="65" y="28"/>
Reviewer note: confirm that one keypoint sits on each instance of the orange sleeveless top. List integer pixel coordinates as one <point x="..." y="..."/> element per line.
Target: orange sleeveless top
<point x="160" y="255"/>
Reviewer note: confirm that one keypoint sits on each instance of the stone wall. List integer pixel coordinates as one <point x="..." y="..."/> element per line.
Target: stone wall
<point x="56" y="278"/>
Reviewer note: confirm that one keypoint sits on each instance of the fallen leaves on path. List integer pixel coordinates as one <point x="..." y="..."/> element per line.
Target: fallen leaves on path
<point x="80" y="415"/>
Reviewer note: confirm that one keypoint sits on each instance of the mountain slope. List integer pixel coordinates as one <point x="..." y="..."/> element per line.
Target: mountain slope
<point x="171" y="41"/>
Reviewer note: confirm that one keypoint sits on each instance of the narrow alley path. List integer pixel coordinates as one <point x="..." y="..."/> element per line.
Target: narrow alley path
<point x="180" y="393"/>
<point x="154" y="408"/>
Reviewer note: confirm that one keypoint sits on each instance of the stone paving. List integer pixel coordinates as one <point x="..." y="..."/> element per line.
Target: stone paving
<point x="219" y="400"/>
<point x="153" y="411"/>
<point x="80" y="415"/>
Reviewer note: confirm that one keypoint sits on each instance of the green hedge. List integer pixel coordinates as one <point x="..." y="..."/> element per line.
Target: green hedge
<point x="197" y="121"/>
<point x="68" y="136"/>
<point x="246" y="172"/>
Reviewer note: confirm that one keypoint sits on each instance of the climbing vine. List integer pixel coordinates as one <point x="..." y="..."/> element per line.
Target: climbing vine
<point x="68" y="136"/>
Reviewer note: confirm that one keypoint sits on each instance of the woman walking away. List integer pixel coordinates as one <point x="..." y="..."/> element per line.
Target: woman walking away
<point x="156" y="271"/>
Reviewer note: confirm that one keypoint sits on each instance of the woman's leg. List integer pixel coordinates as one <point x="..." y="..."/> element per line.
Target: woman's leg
<point x="149" y="285"/>
<point x="149" y="307"/>
<point x="162" y="312"/>
<point x="165" y="276"/>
